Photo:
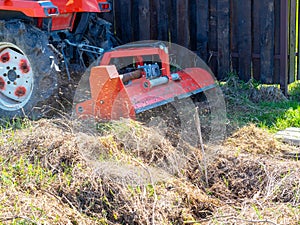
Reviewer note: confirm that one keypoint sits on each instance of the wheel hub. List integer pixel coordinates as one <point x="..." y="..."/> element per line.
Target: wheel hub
<point x="16" y="77"/>
<point x="12" y="75"/>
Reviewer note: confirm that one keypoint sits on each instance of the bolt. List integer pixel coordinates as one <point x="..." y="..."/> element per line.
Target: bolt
<point x="80" y="109"/>
<point x="146" y="85"/>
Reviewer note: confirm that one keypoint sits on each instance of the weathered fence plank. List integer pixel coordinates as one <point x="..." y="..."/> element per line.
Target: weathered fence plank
<point x="283" y="46"/>
<point x="123" y="20"/>
<point x="277" y="42"/>
<point x="213" y="37"/>
<point x="153" y="19"/>
<point x="144" y="19"/>
<point x="244" y="38"/>
<point x="256" y="39"/>
<point x="223" y="7"/>
<point x="173" y="21"/>
<point x="202" y="18"/>
<point x="298" y="50"/>
<point x="193" y="24"/>
<point x="183" y="32"/>
<point x="233" y="37"/>
<point x="163" y="20"/>
<point x="292" y="41"/>
<point x="267" y="40"/>
<point x="135" y="20"/>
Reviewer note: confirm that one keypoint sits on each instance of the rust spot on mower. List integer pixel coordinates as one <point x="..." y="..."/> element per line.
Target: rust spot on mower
<point x="5" y="57"/>
<point x="2" y="84"/>
<point x="24" y="67"/>
<point x="20" y="91"/>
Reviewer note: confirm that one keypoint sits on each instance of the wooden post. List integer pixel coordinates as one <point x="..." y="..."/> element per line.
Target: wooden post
<point x="298" y="70"/>
<point x="173" y="21"/>
<point x="267" y="41"/>
<point x="183" y="33"/>
<point x="284" y="46"/>
<point x="256" y="39"/>
<point x="244" y="38"/>
<point x="234" y="36"/>
<point x="213" y="37"/>
<point x="123" y="20"/>
<point x="276" y="79"/>
<point x="163" y="20"/>
<point x="144" y="19"/>
<point x="223" y="9"/>
<point x="202" y="18"/>
<point x="292" y="41"/>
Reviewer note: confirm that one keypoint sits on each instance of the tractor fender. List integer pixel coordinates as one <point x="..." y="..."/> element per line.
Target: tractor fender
<point x="30" y="8"/>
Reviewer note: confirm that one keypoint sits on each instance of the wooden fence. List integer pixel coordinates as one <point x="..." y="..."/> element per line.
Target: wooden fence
<point x="251" y="37"/>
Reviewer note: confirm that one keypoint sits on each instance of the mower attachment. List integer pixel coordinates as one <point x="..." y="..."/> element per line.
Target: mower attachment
<point x="147" y="86"/>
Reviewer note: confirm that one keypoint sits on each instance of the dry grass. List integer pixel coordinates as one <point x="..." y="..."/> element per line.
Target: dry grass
<point x="123" y="176"/>
<point x="129" y="174"/>
<point x="267" y="94"/>
<point x="255" y="181"/>
<point x="256" y="141"/>
<point x="38" y="207"/>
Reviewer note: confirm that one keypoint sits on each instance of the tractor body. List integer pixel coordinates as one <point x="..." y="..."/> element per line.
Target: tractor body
<point x="53" y="15"/>
<point x="55" y="41"/>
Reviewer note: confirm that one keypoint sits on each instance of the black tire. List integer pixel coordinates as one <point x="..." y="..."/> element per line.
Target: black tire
<point x="32" y="43"/>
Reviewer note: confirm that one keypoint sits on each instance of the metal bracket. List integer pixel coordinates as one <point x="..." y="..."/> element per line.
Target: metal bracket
<point x="86" y="48"/>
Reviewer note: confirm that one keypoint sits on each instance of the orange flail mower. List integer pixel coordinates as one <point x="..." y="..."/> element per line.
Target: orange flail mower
<point x="148" y="85"/>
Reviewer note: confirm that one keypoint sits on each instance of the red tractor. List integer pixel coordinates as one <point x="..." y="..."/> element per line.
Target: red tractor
<point x="40" y="41"/>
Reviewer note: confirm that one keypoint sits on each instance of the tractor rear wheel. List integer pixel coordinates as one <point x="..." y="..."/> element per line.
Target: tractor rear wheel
<point x="28" y="80"/>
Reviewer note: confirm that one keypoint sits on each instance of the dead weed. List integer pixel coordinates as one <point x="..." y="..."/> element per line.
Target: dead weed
<point x="255" y="140"/>
<point x="118" y="177"/>
<point x="129" y="174"/>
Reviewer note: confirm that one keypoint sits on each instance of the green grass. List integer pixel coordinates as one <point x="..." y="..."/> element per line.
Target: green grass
<point x="294" y="91"/>
<point x="291" y="118"/>
<point x="278" y="116"/>
<point x="21" y="173"/>
<point x="271" y="115"/>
